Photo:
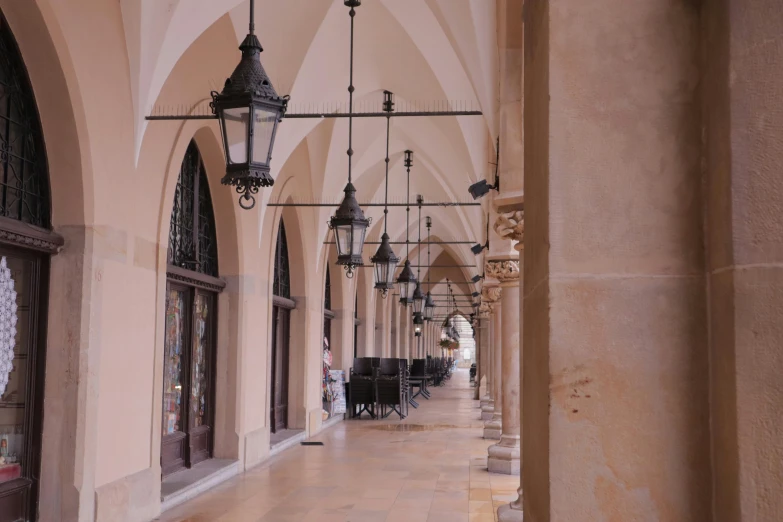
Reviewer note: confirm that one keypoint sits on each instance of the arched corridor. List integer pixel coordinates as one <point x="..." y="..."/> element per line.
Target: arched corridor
<point x="506" y="259"/>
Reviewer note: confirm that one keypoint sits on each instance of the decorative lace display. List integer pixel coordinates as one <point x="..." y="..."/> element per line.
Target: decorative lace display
<point x="7" y="323"/>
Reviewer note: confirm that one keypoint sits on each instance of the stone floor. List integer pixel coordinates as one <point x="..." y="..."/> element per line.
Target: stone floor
<point x="431" y="467"/>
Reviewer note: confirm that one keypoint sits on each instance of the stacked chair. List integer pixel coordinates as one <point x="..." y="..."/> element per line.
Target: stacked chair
<point x="419" y="378"/>
<point x="363" y="394"/>
<point x="392" y="388"/>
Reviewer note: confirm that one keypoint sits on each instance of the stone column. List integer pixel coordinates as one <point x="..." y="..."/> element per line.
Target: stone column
<point x="616" y="409"/>
<point x="489" y="296"/>
<point x="504" y="456"/>
<point x="494" y="426"/>
<point x="484" y="355"/>
<point x="512" y="512"/>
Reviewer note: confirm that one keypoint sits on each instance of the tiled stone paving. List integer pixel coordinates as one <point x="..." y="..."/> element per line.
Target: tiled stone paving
<point x="431" y="467"/>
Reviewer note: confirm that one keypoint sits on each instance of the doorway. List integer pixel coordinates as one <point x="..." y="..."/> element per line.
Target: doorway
<point x="26" y="246"/>
<point x="188" y="378"/>
<point x="189" y="347"/>
<point x="282" y="304"/>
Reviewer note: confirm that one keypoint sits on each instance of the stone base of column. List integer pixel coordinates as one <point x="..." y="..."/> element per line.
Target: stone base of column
<point x="493" y="428"/>
<point x="488" y="411"/>
<point x="509" y="513"/>
<point x="504" y="456"/>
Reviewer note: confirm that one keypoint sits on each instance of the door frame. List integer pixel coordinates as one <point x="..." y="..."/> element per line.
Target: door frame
<point x="194" y="283"/>
<point x="23" y="493"/>
<point x="280" y="304"/>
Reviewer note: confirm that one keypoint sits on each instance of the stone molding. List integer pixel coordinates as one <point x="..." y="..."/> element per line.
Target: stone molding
<point x="511" y="225"/>
<point x="505" y="271"/>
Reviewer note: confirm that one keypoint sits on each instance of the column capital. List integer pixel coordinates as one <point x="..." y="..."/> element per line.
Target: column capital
<point x="504" y="270"/>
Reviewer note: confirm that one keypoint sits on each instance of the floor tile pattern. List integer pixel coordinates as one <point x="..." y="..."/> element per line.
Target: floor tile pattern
<point x="431" y="467"/>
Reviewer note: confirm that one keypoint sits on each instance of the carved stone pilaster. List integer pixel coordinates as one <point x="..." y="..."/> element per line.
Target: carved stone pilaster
<point x="489" y="296"/>
<point x="511" y="225"/>
<point x="505" y="271"/>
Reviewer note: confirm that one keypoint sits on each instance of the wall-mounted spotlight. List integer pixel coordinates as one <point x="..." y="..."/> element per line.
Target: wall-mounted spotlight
<point x="478" y="248"/>
<point x="476" y="279"/>
<point x="480" y="189"/>
<point x="475" y="294"/>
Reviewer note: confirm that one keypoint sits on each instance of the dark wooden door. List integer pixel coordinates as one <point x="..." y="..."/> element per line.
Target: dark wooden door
<point x="188" y="378"/>
<point x="21" y="420"/>
<point x="281" y="319"/>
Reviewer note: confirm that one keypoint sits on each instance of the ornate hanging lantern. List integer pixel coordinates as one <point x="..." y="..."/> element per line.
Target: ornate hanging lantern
<point x="249" y="110"/>
<point x="385" y="260"/>
<point x="406" y="283"/>
<point x="429" y="304"/>
<point x="406" y="279"/>
<point x="349" y="223"/>
<point x="385" y="264"/>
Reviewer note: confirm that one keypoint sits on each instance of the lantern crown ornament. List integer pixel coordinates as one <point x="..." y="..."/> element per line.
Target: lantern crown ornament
<point x="385" y="260"/>
<point x="349" y="223"/>
<point x="249" y="110"/>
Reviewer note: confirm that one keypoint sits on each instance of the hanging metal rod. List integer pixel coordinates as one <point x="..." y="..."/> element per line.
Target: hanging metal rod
<point x="413" y="242"/>
<point x="437" y="204"/>
<point x="366" y="109"/>
<point x="428" y="266"/>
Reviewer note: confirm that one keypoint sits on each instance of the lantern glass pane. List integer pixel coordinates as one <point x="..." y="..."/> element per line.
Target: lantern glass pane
<point x="411" y="288"/>
<point x="358" y="238"/>
<point x="343" y="235"/>
<point x="235" y="122"/>
<point x="428" y="313"/>
<point x="264" y="121"/>
<point x="403" y="290"/>
<point x="417" y="305"/>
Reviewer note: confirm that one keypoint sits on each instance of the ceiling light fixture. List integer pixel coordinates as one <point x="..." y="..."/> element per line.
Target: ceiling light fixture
<point x="349" y="223"/>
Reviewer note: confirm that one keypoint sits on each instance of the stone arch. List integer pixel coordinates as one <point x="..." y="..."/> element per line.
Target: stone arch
<point x="70" y="408"/>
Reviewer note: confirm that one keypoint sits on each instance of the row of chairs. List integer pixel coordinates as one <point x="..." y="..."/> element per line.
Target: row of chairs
<point x="381" y="387"/>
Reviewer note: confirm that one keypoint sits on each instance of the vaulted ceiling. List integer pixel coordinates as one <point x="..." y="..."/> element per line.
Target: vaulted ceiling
<point x="425" y="51"/>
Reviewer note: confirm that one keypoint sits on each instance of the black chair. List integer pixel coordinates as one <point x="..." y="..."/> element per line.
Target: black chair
<point x="362" y="366"/>
<point x="419" y="378"/>
<point x="390" y="390"/>
<point x="362" y="386"/>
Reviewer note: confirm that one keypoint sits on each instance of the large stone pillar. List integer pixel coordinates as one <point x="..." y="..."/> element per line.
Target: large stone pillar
<point x="615" y="417"/>
<point x="494" y="426"/>
<point x="504" y="456"/>
<point x="743" y="127"/>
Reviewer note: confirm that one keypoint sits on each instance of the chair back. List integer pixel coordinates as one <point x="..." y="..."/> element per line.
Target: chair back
<point x="418" y="368"/>
<point x="362" y="366"/>
<point x="389" y="367"/>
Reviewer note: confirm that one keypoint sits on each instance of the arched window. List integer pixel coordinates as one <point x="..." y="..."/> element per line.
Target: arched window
<point x="190" y="346"/>
<point x="24" y="173"/>
<point x="192" y="242"/>
<point x="282" y="282"/>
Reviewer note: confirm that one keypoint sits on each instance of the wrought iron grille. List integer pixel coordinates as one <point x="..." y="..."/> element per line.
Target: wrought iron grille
<point x="192" y="242"/>
<point x="24" y="172"/>
<point x="282" y="282"/>
<point x="328" y="291"/>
